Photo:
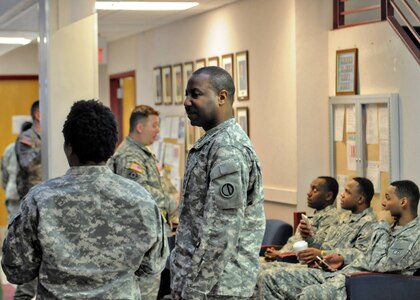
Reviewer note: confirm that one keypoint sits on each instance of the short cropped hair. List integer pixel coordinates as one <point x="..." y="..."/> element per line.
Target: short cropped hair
<point x="34" y="109"/>
<point x="408" y="189"/>
<point x="140" y="113"/>
<point x="91" y="131"/>
<point x="365" y="188"/>
<point x="25" y="126"/>
<point x="220" y="79"/>
<point x="331" y="184"/>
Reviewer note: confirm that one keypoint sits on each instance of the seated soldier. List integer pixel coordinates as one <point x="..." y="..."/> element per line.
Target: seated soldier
<point x="321" y="196"/>
<point x="393" y="248"/>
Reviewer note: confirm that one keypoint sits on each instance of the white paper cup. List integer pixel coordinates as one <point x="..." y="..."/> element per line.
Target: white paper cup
<point x="299" y="246"/>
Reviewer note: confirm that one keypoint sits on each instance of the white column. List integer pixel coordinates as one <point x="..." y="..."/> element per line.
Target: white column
<point x="68" y="53"/>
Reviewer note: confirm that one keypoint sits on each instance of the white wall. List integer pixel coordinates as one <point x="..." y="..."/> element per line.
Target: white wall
<point x="20" y="61"/>
<point x="266" y="30"/>
<point x="292" y="72"/>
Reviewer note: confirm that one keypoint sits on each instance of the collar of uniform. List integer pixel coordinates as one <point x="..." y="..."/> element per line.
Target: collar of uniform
<point x="90" y="170"/>
<point x="325" y="209"/>
<point x="357" y="217"/>
<point x="37" y="134"/>
<point x="142" y="147"/>
<point x="209" y="134"/>
<point x="398" y="229"/>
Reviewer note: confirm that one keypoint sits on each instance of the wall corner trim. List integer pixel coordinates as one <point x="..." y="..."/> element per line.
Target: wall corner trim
<point x="280" y="195"/>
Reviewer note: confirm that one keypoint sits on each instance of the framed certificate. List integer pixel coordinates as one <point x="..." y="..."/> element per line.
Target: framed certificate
<point x="346" y="72"/>
<point x="157" y="76"/>
<point x="242" y="75"/>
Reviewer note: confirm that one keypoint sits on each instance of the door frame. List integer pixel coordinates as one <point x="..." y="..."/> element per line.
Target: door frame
<point x="115" y="103"/>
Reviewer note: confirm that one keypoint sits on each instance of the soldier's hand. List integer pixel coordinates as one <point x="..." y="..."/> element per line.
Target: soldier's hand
<point x="305" y="229"/>
<point x="384" y="215"/>
<point x="271" y="254"/>
<point x="335" y="261"/>
<point x="309" y="254"/>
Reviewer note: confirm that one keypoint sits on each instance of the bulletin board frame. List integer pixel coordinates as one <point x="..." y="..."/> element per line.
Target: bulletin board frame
<point x="365" y="152"/>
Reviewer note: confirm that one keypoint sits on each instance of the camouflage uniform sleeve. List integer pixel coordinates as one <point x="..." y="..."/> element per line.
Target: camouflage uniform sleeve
<point x="155" y="259"/>
<point x="384" y="255"/>
<point x="289" y="245"/>
<point x="4" y="174"/>
<point x="21" y="249"/>
<point x="28" y="156"/>
<point x="223" y="218"/>
<point x="130" y="167"/>
<point x="360" y="245"/>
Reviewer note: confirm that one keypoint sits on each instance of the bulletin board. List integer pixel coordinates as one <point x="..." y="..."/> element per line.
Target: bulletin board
<point x="364" y="141"/>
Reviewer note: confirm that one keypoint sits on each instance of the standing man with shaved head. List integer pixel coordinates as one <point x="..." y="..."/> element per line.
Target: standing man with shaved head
<point x="222" y="221"/>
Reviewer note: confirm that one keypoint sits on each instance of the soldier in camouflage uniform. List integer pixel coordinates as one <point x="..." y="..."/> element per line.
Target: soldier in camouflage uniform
<point x="349" y="237"/>
<point x="89" y="233"/>
<point x="28" y="154"/>
<point x="321" y="197"/>
<point x="394" y="249"/>
<point x="9" y="169"/>
<point x="134" y="160"/>
<point x="222" y="221"/>
<point x="29" y="174"/>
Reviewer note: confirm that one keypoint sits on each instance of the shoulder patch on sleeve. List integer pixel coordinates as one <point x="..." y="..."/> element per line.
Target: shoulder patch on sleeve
<point x="136" y="167"/>
<point x="26" y="142"/>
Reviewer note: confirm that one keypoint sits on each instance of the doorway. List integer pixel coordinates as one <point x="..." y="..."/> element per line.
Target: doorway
<point x="17" y="93"/>
<point x="123" y="100"/>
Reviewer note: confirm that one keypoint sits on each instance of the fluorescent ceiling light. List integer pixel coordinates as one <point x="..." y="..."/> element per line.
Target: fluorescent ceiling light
<point x="121" y="5"/>
<point x="14" y="41"/>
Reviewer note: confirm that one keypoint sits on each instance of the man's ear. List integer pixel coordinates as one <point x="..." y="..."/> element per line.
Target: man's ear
<point x="223" y="97"/>
<point x="330" y="197"/>
<point x="139" y="127"/>
<point x="404" y="202"/>
<point x="38" y="115"/>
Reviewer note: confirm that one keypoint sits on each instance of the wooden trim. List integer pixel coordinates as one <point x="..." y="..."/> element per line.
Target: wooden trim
<point x="406" y="40"/>
<point x="357" y="10"/>
<point x="400" y="13"/>
<point x="359" y="23"/>
<point x="338" y="19"/>
<point x="122" y="75"/>
<point x="411" y="10"/>
<point x="18" y="77"/>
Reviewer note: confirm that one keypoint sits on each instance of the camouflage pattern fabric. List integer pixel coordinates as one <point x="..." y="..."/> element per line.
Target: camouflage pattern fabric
<point x="222" y="219"/>
<point x="28" y="154"/>
<point x="320" y="221"/>
<point x="9" y="171"/>
<point x="350" y="237"/>
<point x="135" y="161"/>
<point x="396" y="251"/>
<point x="86" y="234"/>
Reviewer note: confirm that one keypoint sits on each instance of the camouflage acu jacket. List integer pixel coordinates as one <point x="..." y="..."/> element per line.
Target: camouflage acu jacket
<point x="393" y="250"/>
<point x="320" y="222"/>
<point x="350" y="235"/>
<point x="134" y="161"/>
<point x="85" y="235"/>
<point x="221" y="217"/>
<point x="28" y="154"/>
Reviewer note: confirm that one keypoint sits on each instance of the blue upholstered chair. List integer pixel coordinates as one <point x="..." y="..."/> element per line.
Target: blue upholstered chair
<point x="367" y="286"/>
<point x="276" y="234"/>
